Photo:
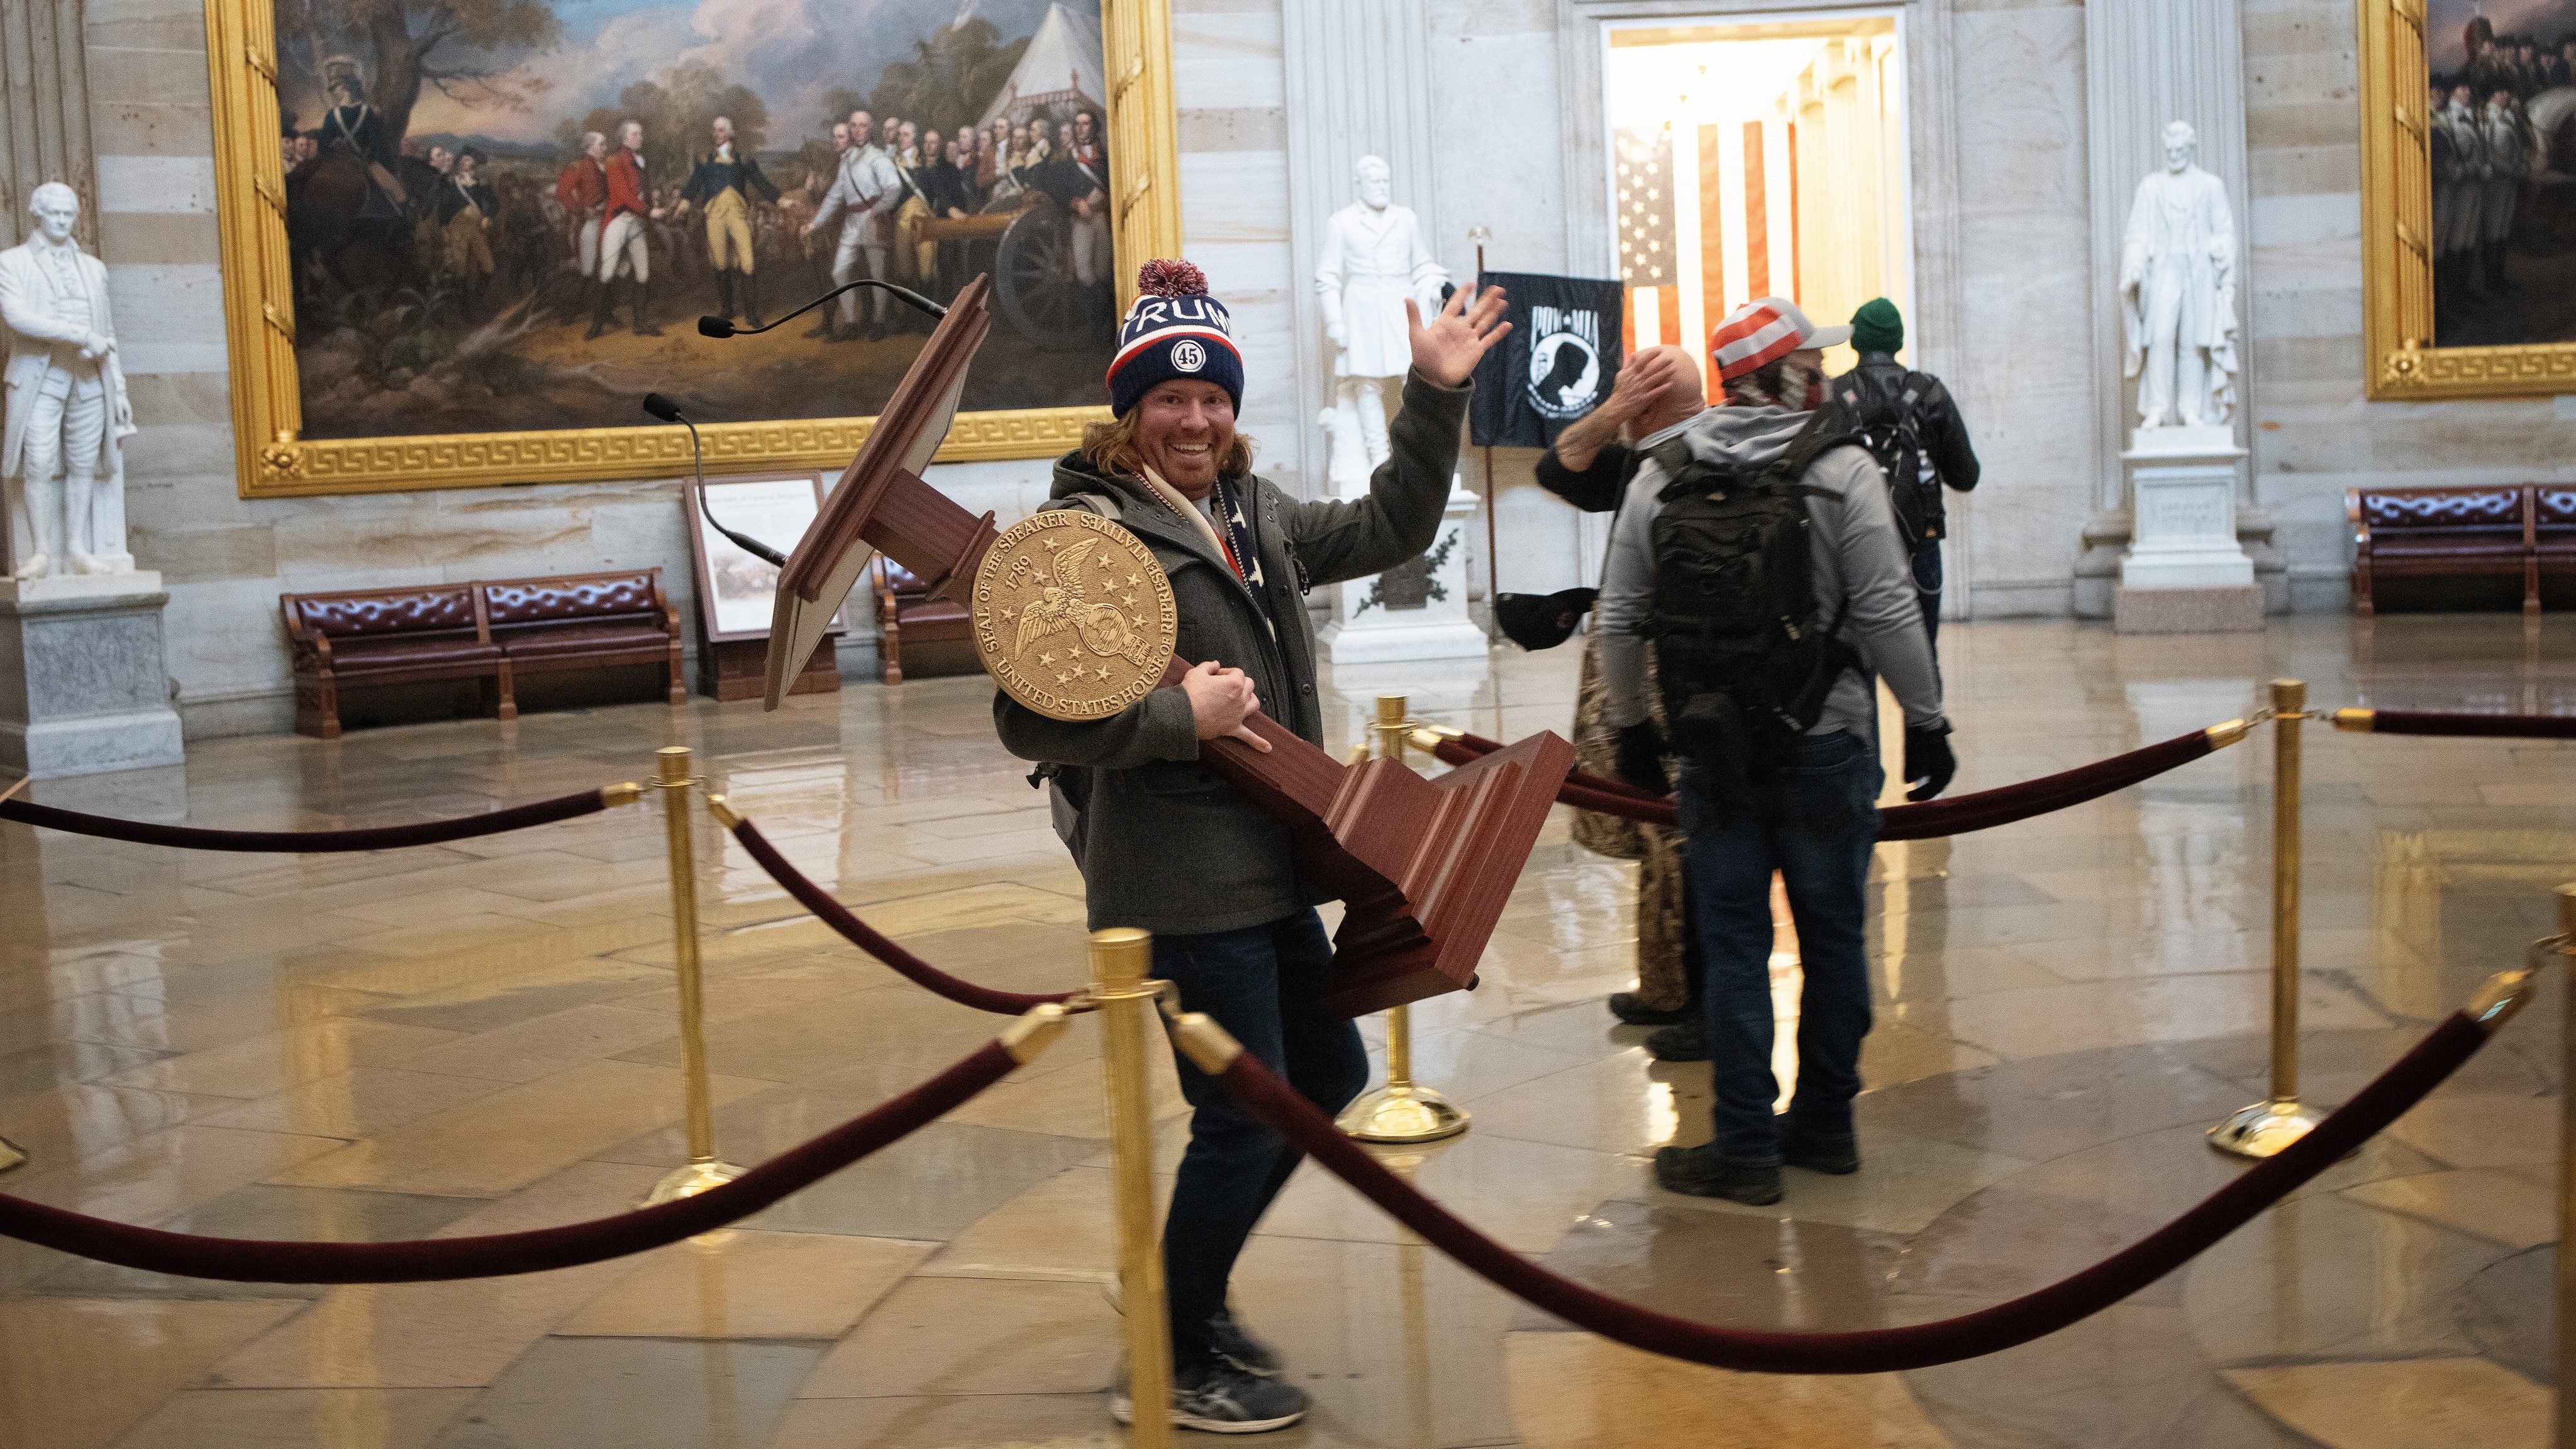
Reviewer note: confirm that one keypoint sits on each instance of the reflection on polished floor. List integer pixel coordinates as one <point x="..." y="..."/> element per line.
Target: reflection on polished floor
<point x="480" y="1037"/>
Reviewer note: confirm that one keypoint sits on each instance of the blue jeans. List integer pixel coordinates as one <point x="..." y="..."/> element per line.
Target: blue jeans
<point x="1814" y="822"/>
<point x="1260" y="984"/>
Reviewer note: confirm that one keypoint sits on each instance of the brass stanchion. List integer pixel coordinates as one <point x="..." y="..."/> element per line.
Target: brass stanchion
<point x="1400" y="1111"/>
<point x="703" y="1170"/>
<point x="1121" y="960"/>
<point x="2566" y="1341"/>
<point x="2280" y="1119"/>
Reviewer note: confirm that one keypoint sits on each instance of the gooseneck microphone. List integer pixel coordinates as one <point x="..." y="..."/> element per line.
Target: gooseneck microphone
<point x="723" y="326"/>
<point x="669" y="412"/>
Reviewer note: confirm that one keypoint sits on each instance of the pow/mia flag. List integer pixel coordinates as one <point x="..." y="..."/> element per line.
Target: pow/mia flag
<point x="1556" y="366"/>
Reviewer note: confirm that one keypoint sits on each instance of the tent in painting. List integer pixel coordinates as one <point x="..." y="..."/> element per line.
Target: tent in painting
<point x="1062" y="66"/>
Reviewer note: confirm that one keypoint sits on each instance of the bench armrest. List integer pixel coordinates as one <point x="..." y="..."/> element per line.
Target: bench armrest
<point x="312" y="643"/>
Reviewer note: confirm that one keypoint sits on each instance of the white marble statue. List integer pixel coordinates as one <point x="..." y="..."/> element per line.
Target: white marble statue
<point x="1373" y="259"/>
<point x="61" y="458"/>
<point x="2178" y="292"/>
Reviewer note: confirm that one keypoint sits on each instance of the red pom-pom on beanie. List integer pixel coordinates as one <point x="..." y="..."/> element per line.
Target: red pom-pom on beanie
<point x="1169" y="277"/>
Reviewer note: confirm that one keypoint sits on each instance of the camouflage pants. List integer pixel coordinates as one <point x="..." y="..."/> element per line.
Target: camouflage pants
<point x="1657" y="849"/>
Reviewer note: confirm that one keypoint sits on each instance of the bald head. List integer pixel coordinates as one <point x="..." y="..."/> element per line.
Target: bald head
<point x="1682" y="393"/>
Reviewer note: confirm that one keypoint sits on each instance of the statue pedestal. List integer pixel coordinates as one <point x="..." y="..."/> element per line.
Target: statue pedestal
<point x="1414" y="611"/>
<point x="2185" y="573"/>
<point x="83" y="688"/>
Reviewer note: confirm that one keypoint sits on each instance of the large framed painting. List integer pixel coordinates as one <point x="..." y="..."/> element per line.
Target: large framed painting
<point x="462" y="238"/>
<point x="2469" y="197"/>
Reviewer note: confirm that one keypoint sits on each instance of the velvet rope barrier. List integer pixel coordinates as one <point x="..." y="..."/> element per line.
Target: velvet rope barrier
<point x="315" y="842"/>
<point x="2493" y="726"/>
<point x="424" y="1260"/>
<point x="1982" y="810"/>
<point x="866" y="937"/>
<point x="1864" y="1351"/>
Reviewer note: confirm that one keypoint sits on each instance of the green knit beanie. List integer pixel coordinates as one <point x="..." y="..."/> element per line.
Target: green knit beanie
<point x="1876" y="327"/>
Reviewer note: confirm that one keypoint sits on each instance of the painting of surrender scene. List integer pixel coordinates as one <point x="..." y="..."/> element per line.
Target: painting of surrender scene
<point x="2501" y="92"/>
<point x="508" y="214"/>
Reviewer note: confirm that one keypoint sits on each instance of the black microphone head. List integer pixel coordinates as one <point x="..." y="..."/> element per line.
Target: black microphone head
<point x="715" y="327"/>
<point x="661" y="407"/>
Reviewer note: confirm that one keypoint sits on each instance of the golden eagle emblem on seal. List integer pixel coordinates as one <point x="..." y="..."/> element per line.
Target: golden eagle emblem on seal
<point x="1072" y="616"/>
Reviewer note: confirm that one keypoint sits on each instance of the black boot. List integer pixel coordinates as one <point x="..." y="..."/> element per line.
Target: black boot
<point x="1632" y="1010"/>
<point x="1703" y="1172"/>
<point x="1683" y="1041"/>
<point x="724" y="294"/>
<point x="642" y="310"/>
<point x="599" y="309"/>
<point x="829" y="329"/>
<point x="751" y="298"/>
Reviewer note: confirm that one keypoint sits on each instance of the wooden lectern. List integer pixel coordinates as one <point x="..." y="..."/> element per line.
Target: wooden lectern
<point x="1422" y="867"/>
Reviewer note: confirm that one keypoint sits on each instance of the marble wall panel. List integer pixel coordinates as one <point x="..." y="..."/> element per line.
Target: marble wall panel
<point x="2025" y="380"/>
<point x="143" y="128"/>
<point x="1493" y="78"/>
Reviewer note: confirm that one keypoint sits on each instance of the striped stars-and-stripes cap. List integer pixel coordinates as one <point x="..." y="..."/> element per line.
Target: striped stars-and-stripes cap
<point x="1764" y="330"/>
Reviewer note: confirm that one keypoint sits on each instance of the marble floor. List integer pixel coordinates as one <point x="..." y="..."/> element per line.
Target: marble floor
<point x="481" y="1036"/>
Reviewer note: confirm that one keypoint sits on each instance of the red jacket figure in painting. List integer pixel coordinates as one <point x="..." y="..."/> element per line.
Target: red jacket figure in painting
<point x="623" y="242"/>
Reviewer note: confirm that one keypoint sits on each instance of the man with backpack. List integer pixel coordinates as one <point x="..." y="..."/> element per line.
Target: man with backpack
<point x="1757" y="554"/>
<point x="1907" y="421"/>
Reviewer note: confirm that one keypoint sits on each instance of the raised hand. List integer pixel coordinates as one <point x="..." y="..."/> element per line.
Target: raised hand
<point x="1640" y="383"/>
<point x="1448" y="349"/>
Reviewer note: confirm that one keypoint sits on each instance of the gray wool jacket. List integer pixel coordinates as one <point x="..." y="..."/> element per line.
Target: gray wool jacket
<point x="1165" y="844"/>
<point x="1858" y="560"/>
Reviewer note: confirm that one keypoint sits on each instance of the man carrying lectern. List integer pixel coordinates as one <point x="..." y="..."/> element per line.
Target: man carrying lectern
<point x="1165" y="844"/>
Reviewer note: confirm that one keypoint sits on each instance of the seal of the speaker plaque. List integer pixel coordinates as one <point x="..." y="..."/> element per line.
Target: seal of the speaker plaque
<point x="1072" y="616"/>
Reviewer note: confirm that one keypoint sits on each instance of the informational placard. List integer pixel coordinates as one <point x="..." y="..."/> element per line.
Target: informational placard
<point x="737" y="592"/>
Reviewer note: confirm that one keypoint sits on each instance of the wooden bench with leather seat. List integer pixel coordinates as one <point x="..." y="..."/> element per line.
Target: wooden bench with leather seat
<point x="585" y="621"/>
<point x="495" y="632"/>
<point x="2452" y="532"/>
<point x="937" y="632"/>
<point x="425" y="634"/>
<point x="2553" y="534"/>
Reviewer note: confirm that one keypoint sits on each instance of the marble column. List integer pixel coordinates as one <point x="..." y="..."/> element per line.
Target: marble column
<point x="44" y="113"/>
<point x="2147" y="63"/>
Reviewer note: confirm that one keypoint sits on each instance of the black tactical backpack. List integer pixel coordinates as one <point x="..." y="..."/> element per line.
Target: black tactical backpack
<point x="1884" y="423"/>
<point x="1739" y="655"/>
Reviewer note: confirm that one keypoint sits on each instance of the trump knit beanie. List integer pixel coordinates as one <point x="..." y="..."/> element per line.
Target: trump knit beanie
<point x="1175" y="330"/>
<point x="1877" y="327"/>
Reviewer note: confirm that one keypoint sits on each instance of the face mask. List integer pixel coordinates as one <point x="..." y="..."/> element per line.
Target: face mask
<point x="1799" y="387"/>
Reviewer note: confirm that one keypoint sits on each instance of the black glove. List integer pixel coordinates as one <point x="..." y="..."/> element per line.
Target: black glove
<point x="1929" y="765"/>
<point x="1641" y="758"/>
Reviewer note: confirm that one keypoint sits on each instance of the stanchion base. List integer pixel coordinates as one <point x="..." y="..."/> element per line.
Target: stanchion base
<point x="2264" y="1128"/>
<point x="691" y="1180"/>
<point x="11" y="1155"/>
<point x="1402" y="1114"/>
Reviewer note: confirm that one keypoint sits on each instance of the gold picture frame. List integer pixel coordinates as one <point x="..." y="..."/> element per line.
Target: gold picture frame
<point x="2401" y="360"/>
<point x="274" y="461"/>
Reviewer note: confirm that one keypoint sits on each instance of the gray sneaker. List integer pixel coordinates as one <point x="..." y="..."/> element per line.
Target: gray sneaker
<point x="1230" y="1339"/>
<point x="1238" y="1347"/>
<point x="1218" y="1398"/>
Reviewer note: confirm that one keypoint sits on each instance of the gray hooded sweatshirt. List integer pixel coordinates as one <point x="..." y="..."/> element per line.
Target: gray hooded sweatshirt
<point x="1857" y="557"/>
